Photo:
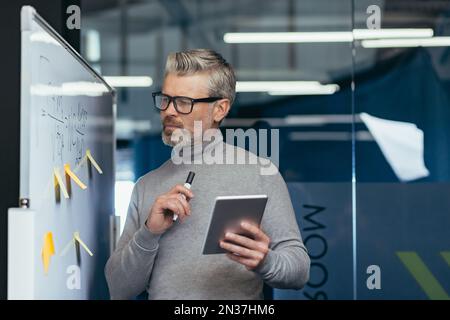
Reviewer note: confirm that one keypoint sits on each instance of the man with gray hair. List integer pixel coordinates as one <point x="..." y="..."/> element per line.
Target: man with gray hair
<point x="163" y="256"/>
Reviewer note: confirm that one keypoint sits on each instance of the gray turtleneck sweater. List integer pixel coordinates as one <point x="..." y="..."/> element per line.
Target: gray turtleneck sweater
<point x="172" y="266"/>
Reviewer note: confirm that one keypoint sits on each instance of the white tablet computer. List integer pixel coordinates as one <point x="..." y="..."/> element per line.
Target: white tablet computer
<point x="227" y="215"/>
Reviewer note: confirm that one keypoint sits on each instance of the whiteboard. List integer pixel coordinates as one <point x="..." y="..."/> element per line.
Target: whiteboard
<point x="66" y="109"/>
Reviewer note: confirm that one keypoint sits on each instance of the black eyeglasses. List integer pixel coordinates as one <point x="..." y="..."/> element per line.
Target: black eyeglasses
<point x="183" y="105"/>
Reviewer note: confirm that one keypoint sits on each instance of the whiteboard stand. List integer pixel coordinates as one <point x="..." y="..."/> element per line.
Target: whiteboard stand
<point x="21" y="252"/>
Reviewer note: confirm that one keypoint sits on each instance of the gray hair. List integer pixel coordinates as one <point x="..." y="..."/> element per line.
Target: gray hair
<point x="222" y="80"/>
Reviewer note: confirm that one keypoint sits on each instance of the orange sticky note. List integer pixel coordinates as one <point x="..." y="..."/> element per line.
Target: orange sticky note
<point x="48" y="249"/>
<point x="92" y="160"/>
<point x="74" y="177"/>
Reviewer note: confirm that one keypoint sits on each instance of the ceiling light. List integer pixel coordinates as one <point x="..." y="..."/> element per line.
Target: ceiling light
<point x="286" y="87"/>
<point x="403" y="43"/>
<point x="129" y="81"/>
<point x="331" y="36"/>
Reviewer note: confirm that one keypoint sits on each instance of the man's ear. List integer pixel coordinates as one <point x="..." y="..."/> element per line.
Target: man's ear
<point x="221" y="109"/>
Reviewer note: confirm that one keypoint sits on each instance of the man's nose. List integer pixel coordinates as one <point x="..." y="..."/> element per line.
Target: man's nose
<point x="171" y="109"/>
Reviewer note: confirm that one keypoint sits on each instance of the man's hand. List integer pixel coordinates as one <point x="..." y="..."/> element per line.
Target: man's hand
<point x="251" y="253"/>
<point x="160" y="217"/>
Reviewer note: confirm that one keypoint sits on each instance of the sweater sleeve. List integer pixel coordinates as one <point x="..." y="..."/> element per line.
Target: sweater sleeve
<point x="129" y="268"/>
<point x="287" y="264"/>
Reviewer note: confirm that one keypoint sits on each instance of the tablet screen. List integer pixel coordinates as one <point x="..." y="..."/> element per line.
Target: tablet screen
<point x="227" y="215"/>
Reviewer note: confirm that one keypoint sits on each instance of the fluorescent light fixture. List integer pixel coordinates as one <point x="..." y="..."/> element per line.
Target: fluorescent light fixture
<point x="405" y="43"/>
<point x="323" y="89"/>
<point x="331" y="36"/>
<point x="294" y="120"/>
<point x="287" y="37"/>
<point x="129" y="81"/>
<point x="286" y="87"/>
<point x="92" y="45"/>
<point x="93" y="89"/>
<point x="263" y="86"/>
<point x="363" y="34"/>
<point x="360" y="135"/>
<point x="44" y="37"/>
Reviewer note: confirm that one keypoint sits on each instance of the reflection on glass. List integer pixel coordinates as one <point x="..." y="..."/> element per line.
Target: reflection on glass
<point x="401" y="144"/>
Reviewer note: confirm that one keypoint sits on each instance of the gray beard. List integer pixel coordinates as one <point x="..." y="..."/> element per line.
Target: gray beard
<point x="167" y="140"/>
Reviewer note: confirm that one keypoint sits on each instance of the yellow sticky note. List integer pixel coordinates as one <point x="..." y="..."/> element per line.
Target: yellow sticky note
<point x="92" y="160"/>
<point x="48" y="249"/>
<point x="73" y="176"/>
<point x="60" y="182"/>
<point x="76" y="236"/>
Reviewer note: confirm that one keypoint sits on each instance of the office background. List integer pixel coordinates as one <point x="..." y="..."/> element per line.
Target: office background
<point x="354" y="209"/>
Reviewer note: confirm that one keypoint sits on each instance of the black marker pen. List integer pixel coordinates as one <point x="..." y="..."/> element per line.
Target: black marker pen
<point x="187" y="185"/>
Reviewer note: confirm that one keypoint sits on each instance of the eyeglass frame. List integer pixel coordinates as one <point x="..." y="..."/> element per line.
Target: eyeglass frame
<point x="172" y="99"/>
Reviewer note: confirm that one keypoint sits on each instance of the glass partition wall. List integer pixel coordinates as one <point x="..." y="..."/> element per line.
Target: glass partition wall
<point x="402" y="141"/>
<point x="357" y="92"/>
